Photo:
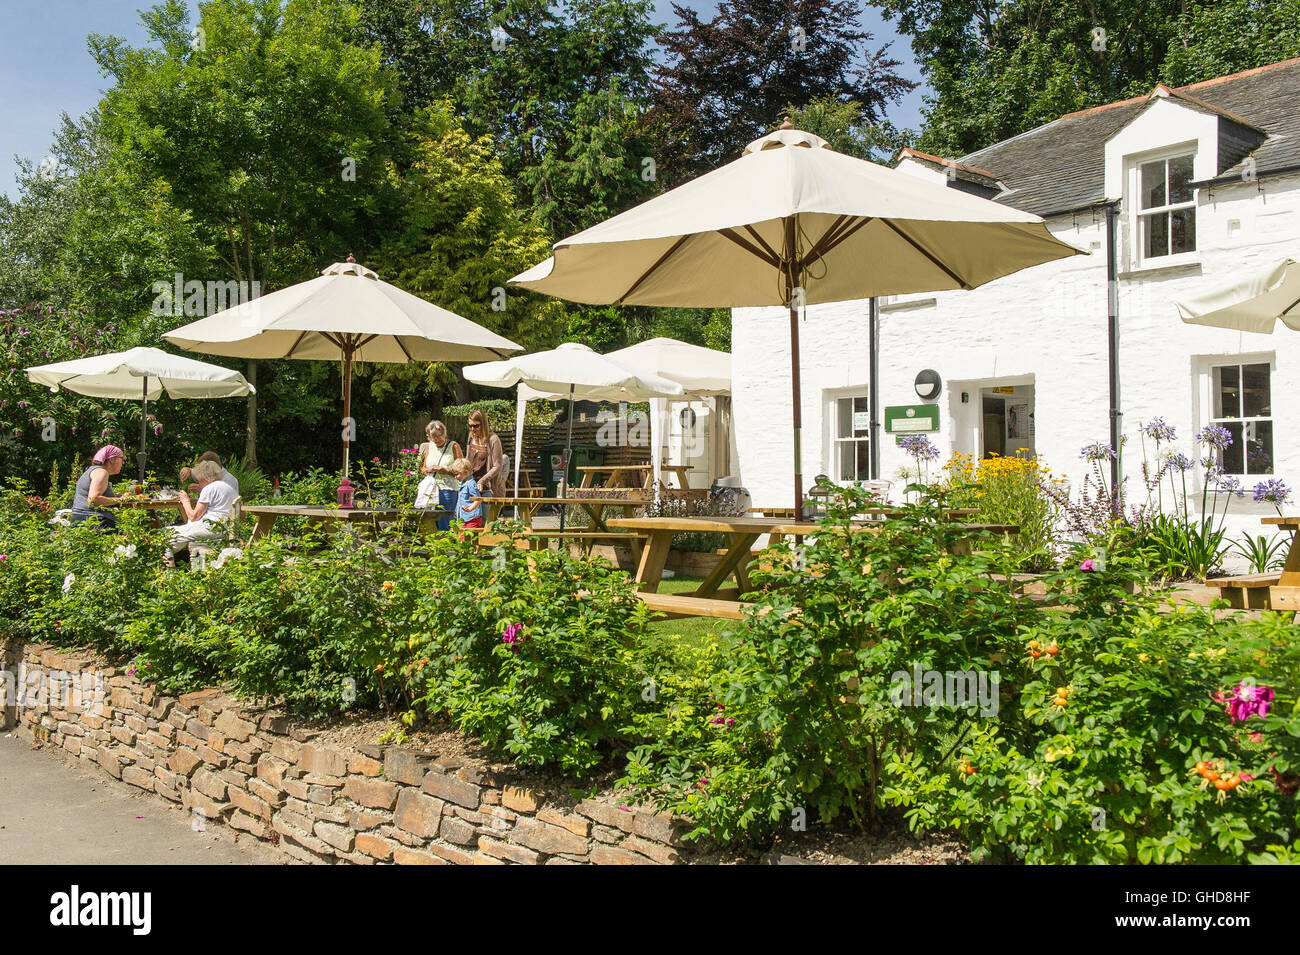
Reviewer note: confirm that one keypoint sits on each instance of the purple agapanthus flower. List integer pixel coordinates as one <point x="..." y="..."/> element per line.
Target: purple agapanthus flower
<point x="1274" y="491"/>
<point x="1249" y="700"/>
<point x="1097" y="452"/>
<point x="1157" y="428"/>
<point x="1179" y="462"/>
<point x="1226" y="483"/>
<point x="1214" y="435"/>
<point x="919" y="447"/>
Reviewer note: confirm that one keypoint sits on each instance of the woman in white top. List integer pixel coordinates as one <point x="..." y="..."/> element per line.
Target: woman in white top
<point x="438" y="485"/>
<point x="216" y="503"/>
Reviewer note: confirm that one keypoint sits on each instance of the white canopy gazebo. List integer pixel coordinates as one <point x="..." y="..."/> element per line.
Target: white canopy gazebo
<point x="571" y="370"/>
<point x="702" y="373"/>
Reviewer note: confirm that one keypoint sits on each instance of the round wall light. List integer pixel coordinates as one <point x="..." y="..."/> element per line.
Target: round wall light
<point x="928" y="384"/>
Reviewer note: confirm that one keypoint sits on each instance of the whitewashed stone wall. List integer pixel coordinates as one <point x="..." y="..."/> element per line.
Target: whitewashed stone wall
<point x="1045" y="326"/>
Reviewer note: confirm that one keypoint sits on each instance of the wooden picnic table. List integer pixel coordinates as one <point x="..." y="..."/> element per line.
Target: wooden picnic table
<point x="620" y="475"/>
<point x="880" y="511"/>
<point x="153" y="505"/>
<point x="742" y="533"/>
<point x="594" y="507"/>
<point x="1285" y="593"/>
<point x="268" y="514"/>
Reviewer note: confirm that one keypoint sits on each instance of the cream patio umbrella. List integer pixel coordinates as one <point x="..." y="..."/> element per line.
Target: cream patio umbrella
<point x="572" y="369"/>
<point x="792" y="222"/>
<point x="1254" y="303"/>
<point x="143" y="374"/>
<point x="345" y="314"/>
<point x="702" y="373"/>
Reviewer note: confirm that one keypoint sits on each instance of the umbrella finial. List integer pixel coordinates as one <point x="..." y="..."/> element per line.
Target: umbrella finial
<point x="351" y="259"/>
<point x="787" y="124"/>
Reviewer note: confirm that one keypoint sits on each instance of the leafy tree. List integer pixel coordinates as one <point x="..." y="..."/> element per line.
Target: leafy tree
<point x="1233" y="35"/>
<point x="560" y="88"/>
<point x="727" y="81"/>
<point x="266" y="125"/>
<point x="460" y="240"/>
<point x="847" y="129"/>
<point x="1000" y="68"/>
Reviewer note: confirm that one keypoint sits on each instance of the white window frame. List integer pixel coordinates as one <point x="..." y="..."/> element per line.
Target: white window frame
<point x="1137" y="214"/>
<point x="834" y="442"/>
<point x="1205" y="415"/>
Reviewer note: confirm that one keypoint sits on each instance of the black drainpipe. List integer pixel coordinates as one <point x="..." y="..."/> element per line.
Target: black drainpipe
<point x="1112" y="325"/>
<point x="873" y="389"/>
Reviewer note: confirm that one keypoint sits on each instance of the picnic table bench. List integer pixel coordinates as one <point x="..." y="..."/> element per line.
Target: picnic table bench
<point x="268" y="514"/>
<point x="633" y="475"/>
<point x="1284" y="593"/>
<point x="1245" y="591"/>
<point x="528" y="507"/>
<point x="540" y="538"/>
<point x="742" y="533"/>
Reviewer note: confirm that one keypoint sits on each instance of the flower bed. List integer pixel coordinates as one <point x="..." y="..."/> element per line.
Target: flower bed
<point x="836" y="701"/>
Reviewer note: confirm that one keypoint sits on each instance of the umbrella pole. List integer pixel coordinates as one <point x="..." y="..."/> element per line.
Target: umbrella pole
<point x="142" y="456"/>
<point x="792" y="280"/>
<point x="568" y="454"/>
<point x="347" y="409"/>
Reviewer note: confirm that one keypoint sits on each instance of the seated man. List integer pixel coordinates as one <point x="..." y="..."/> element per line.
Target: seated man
<point x="216" y="503"/>
<point x="187" y="474"/>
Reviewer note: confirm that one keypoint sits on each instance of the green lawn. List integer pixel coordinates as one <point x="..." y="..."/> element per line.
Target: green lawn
<point x="689" y="629"/>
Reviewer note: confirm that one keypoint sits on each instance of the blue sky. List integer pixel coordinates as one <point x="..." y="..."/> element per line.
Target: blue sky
<point x="45" y="69"/>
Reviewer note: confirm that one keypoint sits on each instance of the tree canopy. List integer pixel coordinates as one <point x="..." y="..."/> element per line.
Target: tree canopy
<point x="1000" y="67"/>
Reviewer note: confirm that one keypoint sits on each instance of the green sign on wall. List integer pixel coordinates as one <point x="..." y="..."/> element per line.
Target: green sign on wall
<point x="911" y="419"/>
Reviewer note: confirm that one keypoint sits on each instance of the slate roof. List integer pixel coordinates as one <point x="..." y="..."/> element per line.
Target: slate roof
<point x="1060" y="166"/>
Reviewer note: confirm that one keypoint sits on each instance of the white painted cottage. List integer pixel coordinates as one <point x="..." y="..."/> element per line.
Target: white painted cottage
<point x="1205" y="181"/>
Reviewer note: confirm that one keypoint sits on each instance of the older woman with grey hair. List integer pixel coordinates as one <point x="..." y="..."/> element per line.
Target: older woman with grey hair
<point x="216" y="503"/>
<point x="438" y="485"/>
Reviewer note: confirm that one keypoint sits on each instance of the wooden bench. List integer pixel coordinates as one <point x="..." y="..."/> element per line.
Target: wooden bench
<point x="684" y="605"/>
<point x="540" y="539"/>
<point x="1246" y="592"/>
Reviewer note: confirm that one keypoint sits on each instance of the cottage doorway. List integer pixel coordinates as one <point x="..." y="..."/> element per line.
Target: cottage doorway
<point x="1007" y="424"/>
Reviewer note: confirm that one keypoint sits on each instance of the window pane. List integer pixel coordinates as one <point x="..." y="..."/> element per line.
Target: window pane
<point x="1227" y="395"/>
<point x="1180" y="180"/>
<point x="1256" y="399"/>
<point x="860" y="408"/>
<point x="1153" y="185"/>
<point x="1156" y="239"/>
<point x="1259" y="447"/>
<point x="1182" y="231"/>
<point x="845" y="408"/>
<point x="864" y="460"/>
<point x="1231" y="459"/>
<point x="845" y="451"/>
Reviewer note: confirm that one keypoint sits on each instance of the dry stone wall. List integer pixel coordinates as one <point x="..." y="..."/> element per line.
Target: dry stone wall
<point x="254" y="771"/>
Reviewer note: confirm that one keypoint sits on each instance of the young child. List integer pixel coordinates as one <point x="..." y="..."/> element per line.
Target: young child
<point x="468" y="510"/>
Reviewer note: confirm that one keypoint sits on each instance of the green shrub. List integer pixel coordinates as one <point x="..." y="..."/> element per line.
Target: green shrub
<point x="798" y="721"/>
<point x="533" y="652"/>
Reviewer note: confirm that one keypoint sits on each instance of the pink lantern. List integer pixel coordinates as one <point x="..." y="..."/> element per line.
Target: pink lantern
<point x="346" y="493"/>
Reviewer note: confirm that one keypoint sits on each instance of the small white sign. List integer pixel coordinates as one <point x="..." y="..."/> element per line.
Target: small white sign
<point x="912" y="424"/>
<point x="861" y="421"/>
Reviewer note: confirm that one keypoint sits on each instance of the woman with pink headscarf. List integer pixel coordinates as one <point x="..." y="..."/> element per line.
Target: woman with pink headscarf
<point x="93" y="487"/>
